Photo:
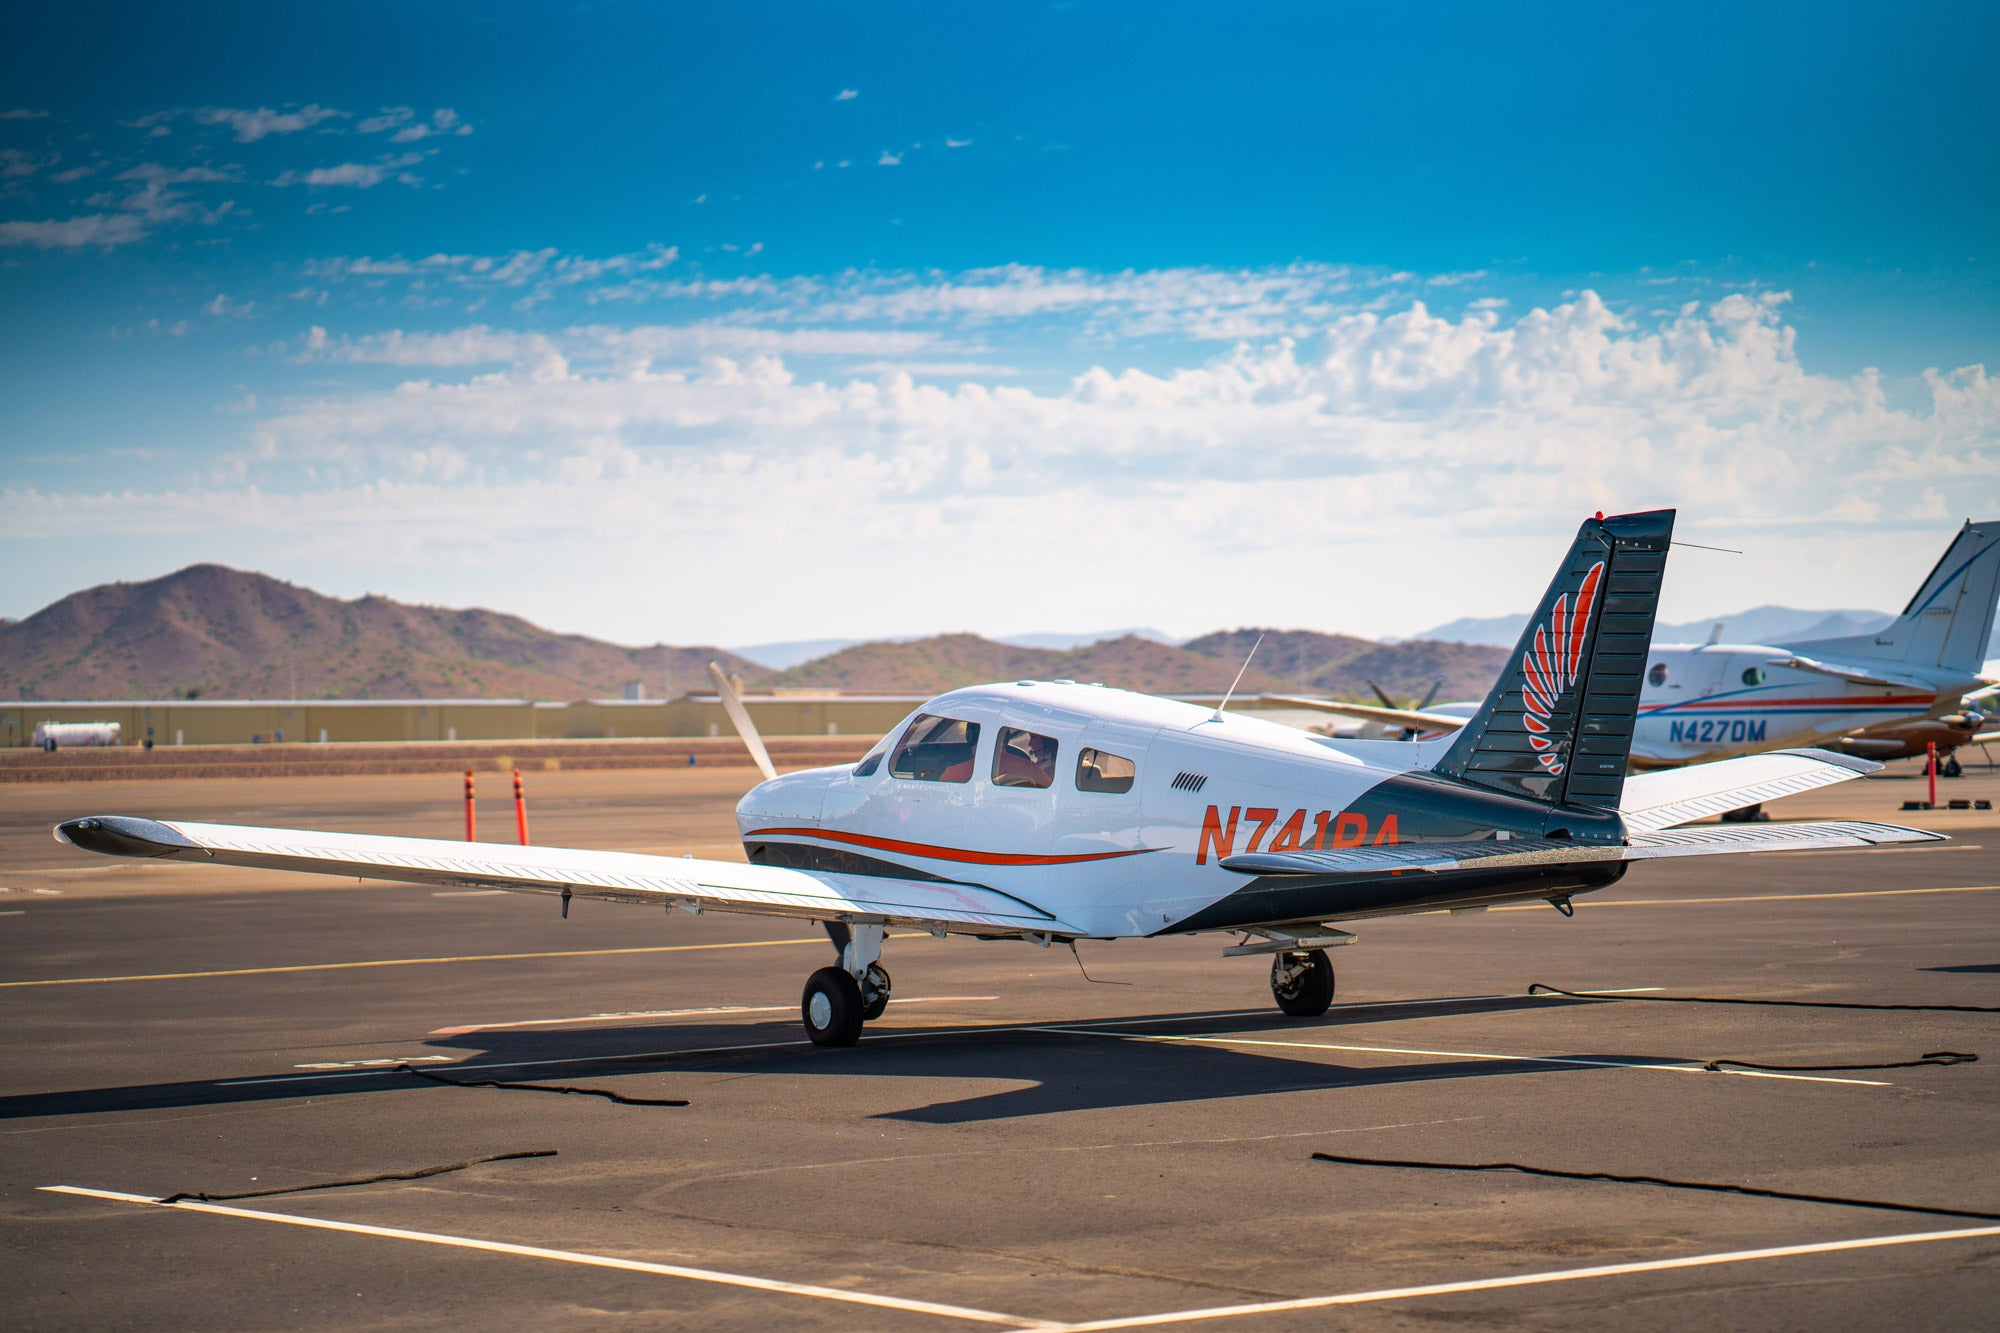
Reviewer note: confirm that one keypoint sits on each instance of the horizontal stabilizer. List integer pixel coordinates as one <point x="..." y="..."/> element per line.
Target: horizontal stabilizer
<point x="627" y="877"/>
<point x="1438" y="858"/>
<point x="1413" y="718"/>
<point x="1702" y="791"/>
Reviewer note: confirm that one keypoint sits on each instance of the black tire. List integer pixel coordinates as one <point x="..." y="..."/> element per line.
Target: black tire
<point x="831" y="1008"/>
<point x="877" y="993"/>
<point x="1950" y="768"/>
<point x="1309" y="993"/>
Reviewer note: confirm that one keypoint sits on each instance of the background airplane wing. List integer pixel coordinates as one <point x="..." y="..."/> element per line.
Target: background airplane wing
<point x="1854" y="675"/>
<point x="1414" y="719"/>
<point x="628" y="877"/>
<point x="1699" y="791"/>
<point x="1441" y="858"/>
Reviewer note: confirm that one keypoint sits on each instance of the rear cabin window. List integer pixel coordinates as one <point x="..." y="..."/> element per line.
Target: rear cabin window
<point x="936" y="749"/>
<point x="1098" y="770"/>
<point x="1024" y="759"/>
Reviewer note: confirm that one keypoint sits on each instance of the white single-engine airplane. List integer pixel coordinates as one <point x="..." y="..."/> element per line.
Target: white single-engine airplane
<point x="1053" y="812"/>
<point x="1712" y="700"/>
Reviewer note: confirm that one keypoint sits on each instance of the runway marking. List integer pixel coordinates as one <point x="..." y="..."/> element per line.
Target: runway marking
<point x="419" y="962"/>
<point x="1376" y="1296"/>
<point x="18" y="911"/>
<point x="579" y="1257"/>
<point x="378" y="1060"/>
<point x="467" y="893"/>
<point x="1750" y="898"/>
<point x="705" y="1012"/>
<point x="1683" y="1068"/>
<point x="1533" y="1279"/>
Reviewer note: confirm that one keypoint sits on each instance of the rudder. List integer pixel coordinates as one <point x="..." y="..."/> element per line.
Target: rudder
<point x="1949" y="621"/>
<point x="1557" y="728"/>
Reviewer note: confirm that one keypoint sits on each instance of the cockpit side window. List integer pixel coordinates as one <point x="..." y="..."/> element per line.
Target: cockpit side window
<point x="1658" y="675"/>
<point x="866" y="768"/>
<point x="936" y="749"/>
<point x="1099" y="770"/>
<point x="1024" y="759"/>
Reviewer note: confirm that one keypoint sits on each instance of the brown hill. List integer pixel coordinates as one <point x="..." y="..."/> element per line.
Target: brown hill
<point x="929" y="666"/>
<point x="1341" y="665"/>
<point x="217" y="632"/>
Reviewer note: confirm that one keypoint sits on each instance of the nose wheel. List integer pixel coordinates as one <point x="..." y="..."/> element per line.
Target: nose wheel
<point x="1302" y="982"/>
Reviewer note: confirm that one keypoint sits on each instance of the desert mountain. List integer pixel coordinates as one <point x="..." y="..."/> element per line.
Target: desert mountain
<point x="928" y="666"/>
<point x="1303" y="661"/>
<point x="224" y="633"/>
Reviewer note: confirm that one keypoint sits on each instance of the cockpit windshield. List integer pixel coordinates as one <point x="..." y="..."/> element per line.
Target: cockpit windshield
<point x="936" y="749"/>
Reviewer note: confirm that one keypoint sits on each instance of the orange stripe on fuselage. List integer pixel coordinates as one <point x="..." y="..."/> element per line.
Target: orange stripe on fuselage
<point x="936" y="853"/>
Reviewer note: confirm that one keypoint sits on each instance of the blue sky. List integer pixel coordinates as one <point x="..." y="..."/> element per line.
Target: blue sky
<point x="742" y="323"/>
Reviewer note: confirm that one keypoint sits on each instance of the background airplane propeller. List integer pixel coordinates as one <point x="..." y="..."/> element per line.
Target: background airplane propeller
<point x="732" y="704"/>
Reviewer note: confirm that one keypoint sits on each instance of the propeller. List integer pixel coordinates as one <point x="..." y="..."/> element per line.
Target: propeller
<point x="732" y="703"/>
<point x="1409" y="733"/>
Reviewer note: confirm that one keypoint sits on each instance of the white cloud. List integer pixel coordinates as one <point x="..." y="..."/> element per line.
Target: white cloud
<point x="250" y="126"/>
<point x="889" y="159"/>
<point x="15" y="164"/>
<point x="957" y="143"/>
<point x="103" y="229"/>
<point x="443" y="121"/>
<point x="360" y="175"/>
<point x="22" y="113"/>
<point x="846" y="95"/>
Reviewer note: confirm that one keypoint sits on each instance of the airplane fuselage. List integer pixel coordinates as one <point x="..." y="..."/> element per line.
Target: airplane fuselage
<point x="1717" y="700"/>
<point x="1143" y="856"/>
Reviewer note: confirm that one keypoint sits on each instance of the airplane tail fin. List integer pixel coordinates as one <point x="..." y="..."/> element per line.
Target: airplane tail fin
<point x="1558" y="725"/>
<point x="1948" y="622"/>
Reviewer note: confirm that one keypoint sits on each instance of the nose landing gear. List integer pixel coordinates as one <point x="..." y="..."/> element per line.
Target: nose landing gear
<point x="838" y="1000"/>
<point x="1302" y="982"/>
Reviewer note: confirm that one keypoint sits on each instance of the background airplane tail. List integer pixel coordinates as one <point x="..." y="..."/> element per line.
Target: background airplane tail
<point x="1558" y="725"/>
<point x="1950" y="620"/>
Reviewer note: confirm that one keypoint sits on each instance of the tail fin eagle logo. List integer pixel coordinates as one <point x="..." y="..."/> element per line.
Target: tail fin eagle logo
<point x="1551" y="663"/>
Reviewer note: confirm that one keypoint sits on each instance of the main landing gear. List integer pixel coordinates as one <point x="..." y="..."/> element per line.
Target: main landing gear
<point x="838" y="1000"/>
<point x="1302" y="982"/>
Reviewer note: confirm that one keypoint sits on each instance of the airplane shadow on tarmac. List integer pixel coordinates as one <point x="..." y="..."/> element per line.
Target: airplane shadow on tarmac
<point x="1100" y="1064"/>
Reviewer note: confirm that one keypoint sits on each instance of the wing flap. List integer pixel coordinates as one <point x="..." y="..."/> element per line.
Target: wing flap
<point x="1679" y="795"/>
<point x="630" y="877"/>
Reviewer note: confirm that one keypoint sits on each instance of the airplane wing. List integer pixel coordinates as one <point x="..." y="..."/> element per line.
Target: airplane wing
<point x="1851" y="674"/>
<point x="1679" y="795"/>
<point x="1438" y="858"/>
<point x="1414" y="719"/>
<point x="626" y="877"/>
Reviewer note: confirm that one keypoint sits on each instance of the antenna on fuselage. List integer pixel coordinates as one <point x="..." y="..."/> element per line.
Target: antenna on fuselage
<point x="732" y="704"/>
<point x="1239" y="679"/>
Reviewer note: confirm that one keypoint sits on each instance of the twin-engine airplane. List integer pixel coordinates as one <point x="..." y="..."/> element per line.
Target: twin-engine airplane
<point x="1053" y="812"/>
<point x="1879" y="696"/>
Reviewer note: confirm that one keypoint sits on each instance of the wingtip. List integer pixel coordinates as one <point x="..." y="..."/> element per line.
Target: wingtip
<point x="123" y="835"/>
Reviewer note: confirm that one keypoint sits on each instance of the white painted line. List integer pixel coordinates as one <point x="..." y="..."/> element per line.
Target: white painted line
<point x="578" y="1257"/>
<point x="1683" y="1068"/>
<point x="18" y="911"/>
<point x="1532" y="1279"/>
<point x="984" y="1029"/>
<point x="49" y="892"/>
<point x="706" y="1012"/>
<point x="467" y="893"/>
<point x="378" y="1060"/>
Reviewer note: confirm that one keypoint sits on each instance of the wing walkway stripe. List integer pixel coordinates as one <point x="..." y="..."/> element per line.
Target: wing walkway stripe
<point x="579" y="1257"/>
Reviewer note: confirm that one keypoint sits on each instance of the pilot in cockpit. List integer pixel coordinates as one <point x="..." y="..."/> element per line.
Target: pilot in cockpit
<point x="1024" y="759"/>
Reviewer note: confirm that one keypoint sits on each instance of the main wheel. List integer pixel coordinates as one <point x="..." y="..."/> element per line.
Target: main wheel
<point x="1950" y="768"/>
<point x="831" y="1008"/>
<point x="1302" y="983"/>
<point x="875" y="995"/>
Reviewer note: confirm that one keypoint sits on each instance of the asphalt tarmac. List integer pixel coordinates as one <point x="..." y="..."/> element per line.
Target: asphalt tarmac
<point x="1011" y="1145"/>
